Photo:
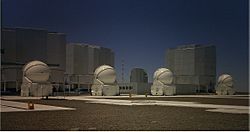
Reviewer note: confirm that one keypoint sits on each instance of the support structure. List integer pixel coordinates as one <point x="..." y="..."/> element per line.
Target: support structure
<point x="104" y="82"/>
<point x="163" y="83"/>
<point x="225" y="85"/>
<point x="35" y="80"/>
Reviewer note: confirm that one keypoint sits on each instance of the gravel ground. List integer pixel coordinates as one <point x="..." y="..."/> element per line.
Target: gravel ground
<point x="113" y="117"/>
<point x="220" y="101"/>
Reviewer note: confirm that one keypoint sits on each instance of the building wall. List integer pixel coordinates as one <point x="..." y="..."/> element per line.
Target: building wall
<point x="194" y="67"/>
<point x="127" y="88"/>
<point x="138" y="75"/>
<point x="93" y="63"/>
<point x="135" y="88"/>
<point x="8" y="44"/>
<point x="205" y="61"/>
<point x="22" y="45"/>
<point x="69" y="59"/>
<point x="183" y="89"/>
<point x="143" y="88"/>
<point x="56" y="75"/>
<point x="184" y="62"/>
<point x="170" y="59"/>
<point x="78" y="60"/>
<point x="106" y="56"/>
<point x="31" y="45"/>
<point x="56" y="54"/>
<point x="82" y="60"/>
<point x="56" y="49"/>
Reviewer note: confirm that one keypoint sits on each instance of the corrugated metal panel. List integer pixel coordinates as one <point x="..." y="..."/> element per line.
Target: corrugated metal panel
<point x="31" y="45"/>
<point x="56" y="49"/>
<point x="138" y="75"/>
<point x="192" y="65"/>
<point x="69" y="59"/>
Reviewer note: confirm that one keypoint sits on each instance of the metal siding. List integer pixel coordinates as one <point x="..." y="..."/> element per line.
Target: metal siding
<point x="90" y="60"/>
<point x="170" y="59"/>
<point x="184" y="62"/>
<point x="138" y="75"/>
<point x="31" y="45"/>
<point x="56" y="52"/>
<point x="79" y="59"/>
<point x="56" y="49"/>
<point x="96" y="60"/>
<point x="192" y="66"/>
<point x="69" y="59"/>
<point x="8" y="43"/>
<point x="85" y="59"/>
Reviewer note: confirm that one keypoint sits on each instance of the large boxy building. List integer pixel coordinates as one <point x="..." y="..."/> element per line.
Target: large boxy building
<point x="22" y="45"/>
<point x="82" y="60"/>
<point x="194" y="68"/>
<point x="138" y="83"/>
<point x="138" y="75"/>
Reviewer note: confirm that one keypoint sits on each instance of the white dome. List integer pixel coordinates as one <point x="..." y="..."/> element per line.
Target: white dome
<point x="105" y="74"/>
<point x="164" y="75"/>
<point x="225" y="79"/>
<point x="36" y="71"/>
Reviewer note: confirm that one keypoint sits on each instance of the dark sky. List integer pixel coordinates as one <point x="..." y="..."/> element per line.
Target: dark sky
<point x="140" y="31"/>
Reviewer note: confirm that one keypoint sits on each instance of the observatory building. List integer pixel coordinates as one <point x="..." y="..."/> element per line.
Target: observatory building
<point x="225" y="85"/>
<point x="22" y="45"/>
<point x="138" y="75"/>
<point x="104" y="82"/>
<point x="163" y="82"/>
<point x="138" y="83"/>
<point x="194" y="68"/>
<point x="36" y="80"/>
<point x="81" y="62"/>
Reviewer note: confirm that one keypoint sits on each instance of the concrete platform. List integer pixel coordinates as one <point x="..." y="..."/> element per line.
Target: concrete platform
<point x="148" y="114"/>
<point x="115" y="100"/>
<point x="134" y="96"/>
<point x="174" y="96"/>
<point x="234" y="109"/>
<point x="12" y="106"/>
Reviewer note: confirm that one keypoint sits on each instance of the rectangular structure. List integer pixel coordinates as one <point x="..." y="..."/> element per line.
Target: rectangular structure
<point x="138" y="75"/>
<point x="31" y="44"/>
<point x="82" y="60"/>
<point x="194" y="68"/>
<point x="138" y="88"/>
<point x="22" y="45"/>
<point x="56" y="49"/>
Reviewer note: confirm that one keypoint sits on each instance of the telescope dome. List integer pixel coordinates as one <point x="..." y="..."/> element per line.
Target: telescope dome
<point x="36" y="71"/>
<point x="225" y="79"/>
<point x="164" y="75"/>
<point x="105" y="74"/>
